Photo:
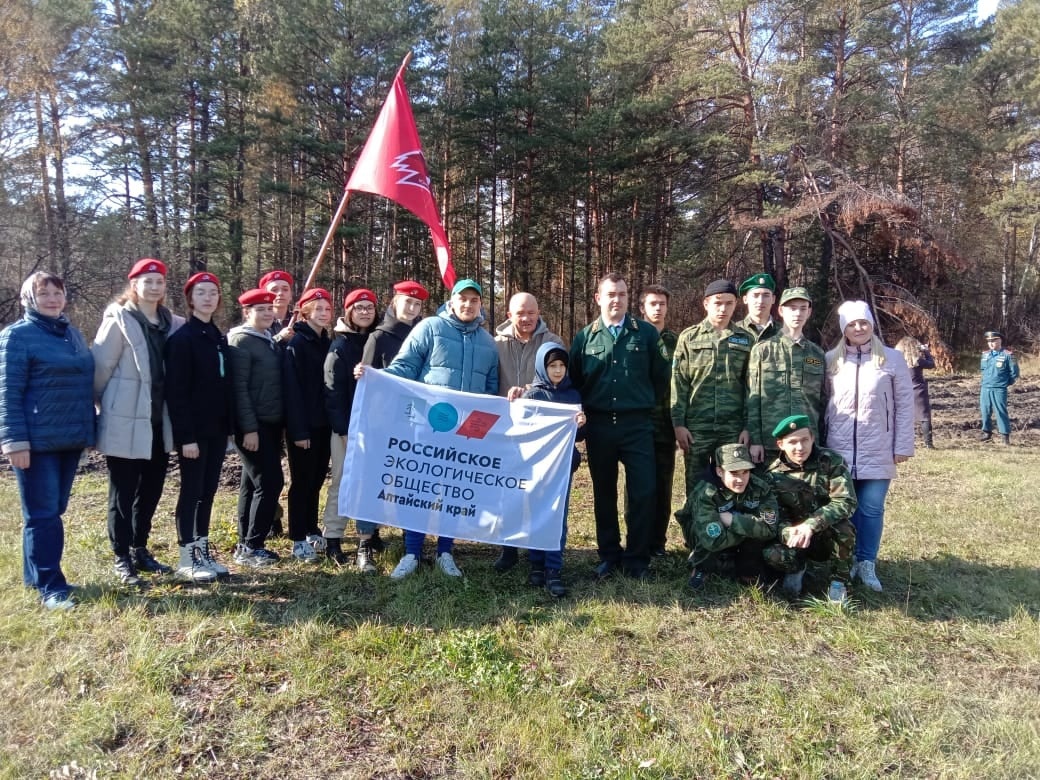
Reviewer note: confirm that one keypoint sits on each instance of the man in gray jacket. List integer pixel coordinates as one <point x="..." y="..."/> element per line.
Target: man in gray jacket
<point x="518" y="340"/>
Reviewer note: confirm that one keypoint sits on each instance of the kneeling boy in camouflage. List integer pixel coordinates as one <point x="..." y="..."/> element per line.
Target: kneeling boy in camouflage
<point x="814" y="490"/>
<point x="729" y="519"/>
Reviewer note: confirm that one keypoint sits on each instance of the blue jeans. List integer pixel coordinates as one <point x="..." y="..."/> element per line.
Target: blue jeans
<point x="413" y="543"/>
<point x="869" y="517"/>
<point x="45" y="488"/>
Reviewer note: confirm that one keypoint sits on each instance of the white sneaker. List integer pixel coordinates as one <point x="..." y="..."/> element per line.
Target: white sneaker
<point x="218" y="568"/>
<point x="304" y="551"/>
<point x="407" y="565"/>
<point x="793" y="582"/>
<point x="193" y="566"/>
<point x="446" y="563"/>
<point x="868" y="576"/>
<point x="317" y="541"/>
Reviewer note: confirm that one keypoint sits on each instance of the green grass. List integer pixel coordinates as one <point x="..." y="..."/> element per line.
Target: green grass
<point x="313" y="672"/>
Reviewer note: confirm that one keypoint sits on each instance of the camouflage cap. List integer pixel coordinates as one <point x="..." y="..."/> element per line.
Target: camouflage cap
<point x="791" y="424"/>
<point x="758" y="280"/>
<point x="795" y="293"/>
<point x="733" y="457"/>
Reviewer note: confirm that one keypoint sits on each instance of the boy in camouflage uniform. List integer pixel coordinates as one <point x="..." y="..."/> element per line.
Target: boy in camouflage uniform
<point x="709" y="378"/>
<point x="728" y="520"/>
<point x="786" y="375"/>
<point x="814" y="491"/>
<point x="757" y="292"/>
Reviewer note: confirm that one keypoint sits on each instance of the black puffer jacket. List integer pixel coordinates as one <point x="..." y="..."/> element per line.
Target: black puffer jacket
<point x="385" y="341"/>
<point x="303" y="382"/>
<point x="198" y="382"/>
<point x="344" y="354"/>
<point x="256" y="372"/>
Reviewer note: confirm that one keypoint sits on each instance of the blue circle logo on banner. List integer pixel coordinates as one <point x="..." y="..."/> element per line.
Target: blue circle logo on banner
<point x="443" y="417"/>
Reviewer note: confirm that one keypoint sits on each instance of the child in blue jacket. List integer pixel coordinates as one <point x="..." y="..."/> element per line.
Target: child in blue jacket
<point x="551" y="383"/>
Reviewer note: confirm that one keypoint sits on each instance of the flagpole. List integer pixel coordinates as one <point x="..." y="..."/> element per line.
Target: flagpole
<point x="337" y="217"/>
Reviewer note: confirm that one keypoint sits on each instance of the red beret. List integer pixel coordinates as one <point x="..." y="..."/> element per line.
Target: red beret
<point x="275" y="276"/>
<point x="314" y="294"/>
<point x="253" y="297"/>
<point x="412" y="290"/>
<point x="147" y="265"/>
<point x="360" y="294"/>
<point x="204" y="276"/>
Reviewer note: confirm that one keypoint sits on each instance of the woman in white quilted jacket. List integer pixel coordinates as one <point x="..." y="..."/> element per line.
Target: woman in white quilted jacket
<point x="870" y="421"/>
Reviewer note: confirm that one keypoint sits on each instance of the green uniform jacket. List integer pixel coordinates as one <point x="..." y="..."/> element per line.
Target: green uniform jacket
<point x="624" y="375"/>
<point x="768" y="331"/>
<point x="784" y="378"/>
<point x="755" y="515"/>
<point x="662" y="413"/>
<point x="709" y="379"/>
<point x="819" y="492"/>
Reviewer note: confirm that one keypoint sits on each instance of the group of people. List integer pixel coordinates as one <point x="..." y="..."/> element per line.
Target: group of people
<point x="748" y="404"/>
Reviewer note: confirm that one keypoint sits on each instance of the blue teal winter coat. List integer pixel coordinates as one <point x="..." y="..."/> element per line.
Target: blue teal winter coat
<point x="446" y="352"/>
<point x="46" y="386"/>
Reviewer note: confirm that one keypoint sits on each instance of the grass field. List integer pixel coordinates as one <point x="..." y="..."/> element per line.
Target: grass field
<point x="301" y="672"/>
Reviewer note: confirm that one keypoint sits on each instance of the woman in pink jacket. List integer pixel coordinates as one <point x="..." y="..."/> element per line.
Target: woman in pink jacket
<point x="870" y="421"/>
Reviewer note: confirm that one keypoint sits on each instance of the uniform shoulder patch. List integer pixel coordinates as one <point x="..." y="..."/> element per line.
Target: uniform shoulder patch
<point x="813" y="361"/>
<point x="714" y="530"/>
<point x="739" y="338"/>
<point x="768" y="517"/>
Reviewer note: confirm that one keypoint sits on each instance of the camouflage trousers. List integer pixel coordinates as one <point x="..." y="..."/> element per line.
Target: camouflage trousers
<point x="836" y="542"/>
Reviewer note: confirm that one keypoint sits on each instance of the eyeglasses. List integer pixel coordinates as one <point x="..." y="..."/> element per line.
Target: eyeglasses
<point x="364" y="309"/>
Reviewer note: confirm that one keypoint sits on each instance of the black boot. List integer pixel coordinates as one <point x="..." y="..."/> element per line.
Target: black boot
<point x="334" y="551"/>
<point x="536" y="578"/>
<point x="926" y="433"/>
<point x="126" y="571"/>
<point x="376" y="542"/>
<point x="145" y="561"/>
<point x="506" y="560"/>
<point x="1006" y="439"/>
<point x="986" y="436"/>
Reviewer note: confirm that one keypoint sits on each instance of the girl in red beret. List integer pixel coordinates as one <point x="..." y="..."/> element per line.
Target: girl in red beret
<point x="352" y="331"/>
<point x="134" y="430"/>
<point x="198" y="377"/>
<point x="307" y="423"/>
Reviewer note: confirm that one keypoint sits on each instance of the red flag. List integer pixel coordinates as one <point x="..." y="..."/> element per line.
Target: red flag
<point x="392" y="165"/>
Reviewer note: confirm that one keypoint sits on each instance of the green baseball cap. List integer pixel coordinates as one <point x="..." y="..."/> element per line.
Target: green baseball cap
<point x="795" y="293"/>
<point x="758" y="280"/>
<point x="791" y="424"/>
<point x="733" y="457"/>
<point x="466" y="284"/>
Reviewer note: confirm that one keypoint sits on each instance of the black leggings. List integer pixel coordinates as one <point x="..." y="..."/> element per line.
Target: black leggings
<point x="199" y="480"/>
<point x="308" y="469"/>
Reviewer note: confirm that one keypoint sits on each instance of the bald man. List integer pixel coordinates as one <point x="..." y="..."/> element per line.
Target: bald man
<point x="518" y="340"/>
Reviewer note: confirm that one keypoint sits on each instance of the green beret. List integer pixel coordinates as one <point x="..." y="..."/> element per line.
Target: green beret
<point x="791" y="424"/>
<point x="795" y="294"/>
<point x="758" y="280"/>
<point x="733" y="457"/>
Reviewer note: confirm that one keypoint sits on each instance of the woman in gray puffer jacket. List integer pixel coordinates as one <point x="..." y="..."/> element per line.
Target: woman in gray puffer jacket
<point x="870" y="421"/>
<point x="134" y="427"/>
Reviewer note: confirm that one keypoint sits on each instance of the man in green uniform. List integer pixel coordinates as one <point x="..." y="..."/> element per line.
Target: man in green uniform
<point x="653" y="303"/>
<point x="758" y="293"/>
<point x="709" y="381"/>
<point x="786" y="375"/>
<point x="616" y="365"/>
<point x="729" y="519"/>
<point x="814" y="490"/>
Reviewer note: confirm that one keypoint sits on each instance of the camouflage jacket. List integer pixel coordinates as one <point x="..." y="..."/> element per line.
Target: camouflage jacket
<point x="819" y="492"/>
<point x="785" y="377"/>
<point x="754" y="513"/>
<point x="709" y="378"/>
<point x="757" y="336"/>
<point x="662" y="413"/>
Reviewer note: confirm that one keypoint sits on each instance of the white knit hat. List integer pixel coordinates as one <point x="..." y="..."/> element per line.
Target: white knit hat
<point x="850" y="311"/>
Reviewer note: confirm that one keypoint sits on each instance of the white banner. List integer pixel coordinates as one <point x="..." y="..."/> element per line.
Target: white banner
<point x="468" y="466"/>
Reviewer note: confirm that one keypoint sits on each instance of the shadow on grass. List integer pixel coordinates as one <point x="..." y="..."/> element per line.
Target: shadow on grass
<point x="946" y="587"/>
